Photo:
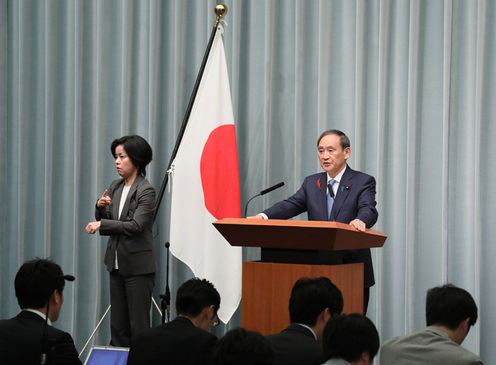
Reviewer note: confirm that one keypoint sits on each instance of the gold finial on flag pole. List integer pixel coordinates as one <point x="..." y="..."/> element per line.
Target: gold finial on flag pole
<point x="220" y="13"/>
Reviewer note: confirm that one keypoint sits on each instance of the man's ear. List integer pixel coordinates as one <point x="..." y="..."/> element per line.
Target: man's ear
<point x="465" y="325"/>
<point x="365" y="358"/>
<point x="53" y="297"/>
<point x="207" y="312"/>
<point x="326" y="314"/>
<point x="56" y="297"/>
<point x="321" y="321"/>
<point x="347" y="152"/>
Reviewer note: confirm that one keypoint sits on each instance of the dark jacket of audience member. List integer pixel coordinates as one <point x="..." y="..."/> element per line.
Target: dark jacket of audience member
<point x="185" y="340"/>
<point x="39" y="286"/>
<point x="450" y="312"/>
<point x="241" y="347"/>
<point x="312" y="303"/>
<point x="352" y="338"/>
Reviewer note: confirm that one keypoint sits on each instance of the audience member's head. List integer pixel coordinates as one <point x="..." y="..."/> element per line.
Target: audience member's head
<point x="451" y="307"/>
<point x="352" y="337"/>
<point x="242" y="347"/>
<point x="198" y="300"/>
<point x="313" y="301"/>
<point x="39" y="284"/>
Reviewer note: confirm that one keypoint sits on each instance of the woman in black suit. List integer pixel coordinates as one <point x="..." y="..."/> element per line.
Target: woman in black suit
<point x="125" y="213"/>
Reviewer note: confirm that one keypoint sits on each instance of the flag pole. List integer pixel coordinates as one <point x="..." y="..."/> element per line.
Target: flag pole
<point x="220" y="12"/>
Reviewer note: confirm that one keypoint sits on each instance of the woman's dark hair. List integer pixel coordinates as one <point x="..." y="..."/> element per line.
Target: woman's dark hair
<point x="137" y="149"/>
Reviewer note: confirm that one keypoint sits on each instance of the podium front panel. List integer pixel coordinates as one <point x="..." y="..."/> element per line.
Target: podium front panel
<point x="267" y="287"/>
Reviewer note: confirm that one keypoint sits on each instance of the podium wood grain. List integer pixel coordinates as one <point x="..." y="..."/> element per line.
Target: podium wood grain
<point x="267" y="287"/>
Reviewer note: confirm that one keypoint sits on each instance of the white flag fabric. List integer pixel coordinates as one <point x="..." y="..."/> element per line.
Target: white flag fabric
<point x="205" y="185"/>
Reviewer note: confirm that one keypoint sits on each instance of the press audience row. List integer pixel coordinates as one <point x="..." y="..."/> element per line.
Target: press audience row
<point x="318" y="332"/>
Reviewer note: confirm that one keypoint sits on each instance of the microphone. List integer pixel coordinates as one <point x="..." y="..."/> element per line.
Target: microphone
<point x="268" y="190"/>
<point x="166" y="297"/>
<point x="67" y="277"/>
<point x="263" y="192"/>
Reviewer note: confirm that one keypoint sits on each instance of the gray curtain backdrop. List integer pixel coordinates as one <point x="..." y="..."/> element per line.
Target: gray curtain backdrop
<point x="411" y="82"/>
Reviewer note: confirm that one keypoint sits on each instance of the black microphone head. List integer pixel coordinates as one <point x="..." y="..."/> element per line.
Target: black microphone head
<point x="167" y="244"/>
<point x="68" y="277"/>
<point x="272" y="188"/>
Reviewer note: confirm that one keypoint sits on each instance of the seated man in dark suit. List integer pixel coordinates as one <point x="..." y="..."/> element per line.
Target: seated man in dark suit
<point x="312" y="303"/>
<point x="350" y="340"/>
<point x="186" y="340"/>
<point x="29" y="338"/>
<point x="450" y="312"/>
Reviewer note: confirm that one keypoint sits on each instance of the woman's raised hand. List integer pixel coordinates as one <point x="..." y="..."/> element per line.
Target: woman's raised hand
<point x="104" y="200"/>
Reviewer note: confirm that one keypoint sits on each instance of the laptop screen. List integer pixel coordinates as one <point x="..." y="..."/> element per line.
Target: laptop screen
<point x="102" y="355"/>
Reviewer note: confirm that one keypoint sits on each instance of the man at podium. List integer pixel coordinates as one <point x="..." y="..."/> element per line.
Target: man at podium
<point x="338" y="194"/>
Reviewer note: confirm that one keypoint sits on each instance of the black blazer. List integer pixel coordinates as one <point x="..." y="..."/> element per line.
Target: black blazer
<point x="296" y="345"/>
<point x="355" y="199"/>
<point x="131" y="235"/>
<point x="21" y="337"/>
<point x="175" y="343"/>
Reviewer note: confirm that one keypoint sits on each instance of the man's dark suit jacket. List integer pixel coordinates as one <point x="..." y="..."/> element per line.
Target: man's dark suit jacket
<point x="131" y="234"/>
<point x="355" y="199"/>
<point x="175" y="343"/>
<point x="296" y="345"/>
<point x="21" y="337"/>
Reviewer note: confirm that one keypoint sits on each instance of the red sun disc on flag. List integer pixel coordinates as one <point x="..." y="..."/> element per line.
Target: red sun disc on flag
<point x="220" y="173"/>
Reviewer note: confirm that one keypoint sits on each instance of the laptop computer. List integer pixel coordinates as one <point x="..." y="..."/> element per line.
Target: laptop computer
<point x="107" y="355"/>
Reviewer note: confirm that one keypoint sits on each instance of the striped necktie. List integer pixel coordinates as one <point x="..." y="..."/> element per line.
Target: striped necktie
<point x="330" y="197"/>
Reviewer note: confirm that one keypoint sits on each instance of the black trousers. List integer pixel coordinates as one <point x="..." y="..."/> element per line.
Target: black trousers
<point x="130" y="298"/>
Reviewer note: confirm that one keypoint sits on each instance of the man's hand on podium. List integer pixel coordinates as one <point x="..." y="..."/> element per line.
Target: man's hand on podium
<point x="358" y="225"/>
<point x="258" y="216"/>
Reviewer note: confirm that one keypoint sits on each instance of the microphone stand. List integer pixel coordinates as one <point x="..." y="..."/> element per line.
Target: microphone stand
<point x="263" y="192"/>
<point x="166" y="298"/>
<point x="248" y="202"/>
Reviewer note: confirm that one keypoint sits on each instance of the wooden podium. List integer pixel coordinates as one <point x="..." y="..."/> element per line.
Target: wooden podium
<point x="267" y="285"/>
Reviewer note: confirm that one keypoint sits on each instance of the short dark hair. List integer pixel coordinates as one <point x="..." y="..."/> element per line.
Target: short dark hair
<point x="36" y="280"/>
<point x="242" y="347"/>
<point x="344" y="141"/>
<point x="137" y="149"/>
<point x="349" y="336"/>
<point x="311" y="296"/>
<point x="194" y="295"/>
<point x="449" y="305"/>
